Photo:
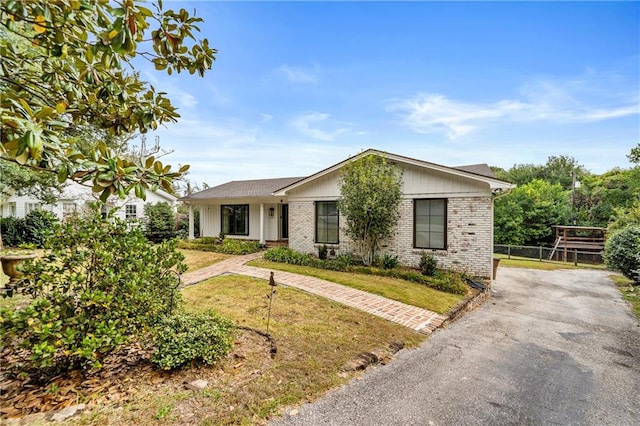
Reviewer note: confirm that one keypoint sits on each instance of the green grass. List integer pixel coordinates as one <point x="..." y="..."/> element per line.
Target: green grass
<point x="629" y="292"/>
<point x="315" y="338"/>
<point x="546" y="265"/>
<point x="391" y="288"/>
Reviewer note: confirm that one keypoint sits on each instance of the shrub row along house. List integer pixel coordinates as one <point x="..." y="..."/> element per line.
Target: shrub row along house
<point x="447" y="211"/>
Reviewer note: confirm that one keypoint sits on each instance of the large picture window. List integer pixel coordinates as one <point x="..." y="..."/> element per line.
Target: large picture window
<point x="235" y="219"/>
<point x="430" y="224"/>
<point x="327" y="225"/>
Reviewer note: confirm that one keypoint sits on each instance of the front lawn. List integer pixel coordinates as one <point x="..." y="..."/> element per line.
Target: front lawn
<point x="403" y="291"/>
<point x="630" y="293"/>
<point x="314" y="337"/>
<point x="196" y="259"/>
<point x="545" y="265"/>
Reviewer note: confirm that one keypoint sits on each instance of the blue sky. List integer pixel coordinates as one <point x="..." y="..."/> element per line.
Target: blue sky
<point x="299" y="86"/>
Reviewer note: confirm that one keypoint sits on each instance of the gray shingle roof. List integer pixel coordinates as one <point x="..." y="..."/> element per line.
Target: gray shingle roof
<point x="478" y="169"/>
<point x="243" y="189"/>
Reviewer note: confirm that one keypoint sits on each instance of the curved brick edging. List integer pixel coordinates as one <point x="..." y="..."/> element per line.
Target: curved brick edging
<point x="468" y="305"/>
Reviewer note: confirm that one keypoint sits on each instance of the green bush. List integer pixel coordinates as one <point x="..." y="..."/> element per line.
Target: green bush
<point x="12" y="230"/>
<point x="450" y="282"/>
<point x="622" y="252"/>
<point x="160" y="222"/>
<point x="227" y="246"/>
<point x="323" y="250"/>
<point x="389" y="262"/>
<point x="99" y="284"/>
<point x="428" y="264"/>
<point x="38" y="225"/>
<point x="186" y="338"/>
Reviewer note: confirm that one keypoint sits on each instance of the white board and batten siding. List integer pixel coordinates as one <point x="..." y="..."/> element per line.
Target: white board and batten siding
<point x="211" y="221"/>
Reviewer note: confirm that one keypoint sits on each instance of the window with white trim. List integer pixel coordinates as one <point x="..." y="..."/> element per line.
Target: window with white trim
<point x="31" y="207"/>
<point x="235" y="219"/>
<point x="130" y="211"/>
<point x="327" y="222"/>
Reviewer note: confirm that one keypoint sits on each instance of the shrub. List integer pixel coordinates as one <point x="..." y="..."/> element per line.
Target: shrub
<point x="160" y="222"/>
<point x="288" y="255"/>
<point x="622" y="252"/>
<point x="186" y="338"/>
<point x="428" y="264"/>
<point x="227" y="246"/>
<point x="99" y="284"/>
<point x="322" y="251"/>
<point x="38" y="225"/>
<point x="389" y="262"/>
<point x="12" y="230"/>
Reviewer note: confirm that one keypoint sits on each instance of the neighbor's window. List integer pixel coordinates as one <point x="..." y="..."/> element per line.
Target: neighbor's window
<point x="430" y="223"/>
<point x="327" y="222"/>
<point x="130" y="211"/>
<point x="235" y="219"/>
<point x="68" y="209"/>
<point x="12" y="209"/>
<point x="31" y="207"/>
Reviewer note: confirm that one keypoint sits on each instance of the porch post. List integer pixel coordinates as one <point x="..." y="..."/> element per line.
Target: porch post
<point x="191" y="233"/>
<point x="261" y="223"/>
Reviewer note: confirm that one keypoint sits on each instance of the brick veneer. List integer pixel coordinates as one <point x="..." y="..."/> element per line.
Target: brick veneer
<point x="469" y="234"/>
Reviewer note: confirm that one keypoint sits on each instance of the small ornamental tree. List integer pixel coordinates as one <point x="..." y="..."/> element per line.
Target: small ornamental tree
<point x="160" y="222"/>
<point x="370" y="191"/>
<point x="622" y="252"/>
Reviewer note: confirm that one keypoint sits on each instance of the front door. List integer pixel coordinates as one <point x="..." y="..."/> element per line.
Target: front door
<point x="284" y="225"/>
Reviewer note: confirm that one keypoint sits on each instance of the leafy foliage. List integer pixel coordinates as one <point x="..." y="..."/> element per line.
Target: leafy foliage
<point x="634" y="154"/>
<point x="526" y="214"/>
<point x="226" y="246"/>
<point x="185" y="338"/>
<point x="160" y="222"/>
<point x="99" y="284"/>
<point x="622" y="252"/>
<point x="389" y="261"/>
<point x="558" y="170"/>
<point x="323" y="250"/>
<point x="448" y="281"/>
<point x="428" y="264"/>
<point x="64" y="64"/>
<point x="370" y="191"/>
<point x="33" y="229"/>
<point x="37" y="227"/>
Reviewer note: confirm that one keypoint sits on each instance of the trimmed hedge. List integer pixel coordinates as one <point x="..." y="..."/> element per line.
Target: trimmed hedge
<point x="622" y="252"/>
<point x="227" y="246"/>
<point x="448" y="281"/>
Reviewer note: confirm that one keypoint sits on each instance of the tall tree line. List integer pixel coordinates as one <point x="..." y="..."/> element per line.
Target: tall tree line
<point x="563" y="192"/>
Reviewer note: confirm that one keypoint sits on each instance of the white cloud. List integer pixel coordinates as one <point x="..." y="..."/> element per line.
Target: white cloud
<point x="299" y="75"/>
<point x="543" y="100"/>
<point x="308" y="125"/>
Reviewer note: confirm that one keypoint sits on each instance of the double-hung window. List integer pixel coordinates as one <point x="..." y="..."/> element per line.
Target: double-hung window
<point x="327" y="223"/>
<point x="235" y="219"/>
<point x="430" y="223"/>
<point x="130" y="211"/>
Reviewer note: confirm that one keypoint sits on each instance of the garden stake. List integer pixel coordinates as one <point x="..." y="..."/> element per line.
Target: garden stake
<point x="273" y="285"/>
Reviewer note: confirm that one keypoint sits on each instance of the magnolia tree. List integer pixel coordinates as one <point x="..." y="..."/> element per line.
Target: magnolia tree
<point x="68" y="64"/>
<point x="370" y="191"/>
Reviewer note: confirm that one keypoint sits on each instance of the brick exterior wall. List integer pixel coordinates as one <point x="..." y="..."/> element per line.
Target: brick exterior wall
<point x="469" y="234"/>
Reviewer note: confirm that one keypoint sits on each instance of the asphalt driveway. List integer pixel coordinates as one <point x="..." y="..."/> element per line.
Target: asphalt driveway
<point x="550" y="347"/>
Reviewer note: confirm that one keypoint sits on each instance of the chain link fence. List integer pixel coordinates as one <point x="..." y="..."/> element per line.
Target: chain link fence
<point x="548" y="253"/>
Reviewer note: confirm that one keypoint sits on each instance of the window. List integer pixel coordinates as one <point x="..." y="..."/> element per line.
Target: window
<point x="130" y="211"/>
<point x="68" y="209"/>
<point x="327" y="224"/>
<point x="430" y="224"/>
<point x="235" y="219"/>
<point x="12" y="209"/>
<point x="31" y="207"/>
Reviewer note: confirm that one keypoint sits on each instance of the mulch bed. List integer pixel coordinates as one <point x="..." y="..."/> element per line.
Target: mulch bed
<point x="126" y="373"/>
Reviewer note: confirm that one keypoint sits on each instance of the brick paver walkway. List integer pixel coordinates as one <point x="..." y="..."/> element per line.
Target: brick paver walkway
<point x="413" y="317"/>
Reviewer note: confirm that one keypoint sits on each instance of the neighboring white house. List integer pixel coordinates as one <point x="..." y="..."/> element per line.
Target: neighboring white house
<point x="447" y="211"/>
<point x="76" y="197"/>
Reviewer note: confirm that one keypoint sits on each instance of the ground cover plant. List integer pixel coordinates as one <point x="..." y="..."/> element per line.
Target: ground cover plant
<point x="221" y="245"/>
<point x="447" y="281"/>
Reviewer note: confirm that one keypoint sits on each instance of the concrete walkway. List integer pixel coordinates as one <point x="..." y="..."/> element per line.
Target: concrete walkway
<point x="418" y="319"/>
